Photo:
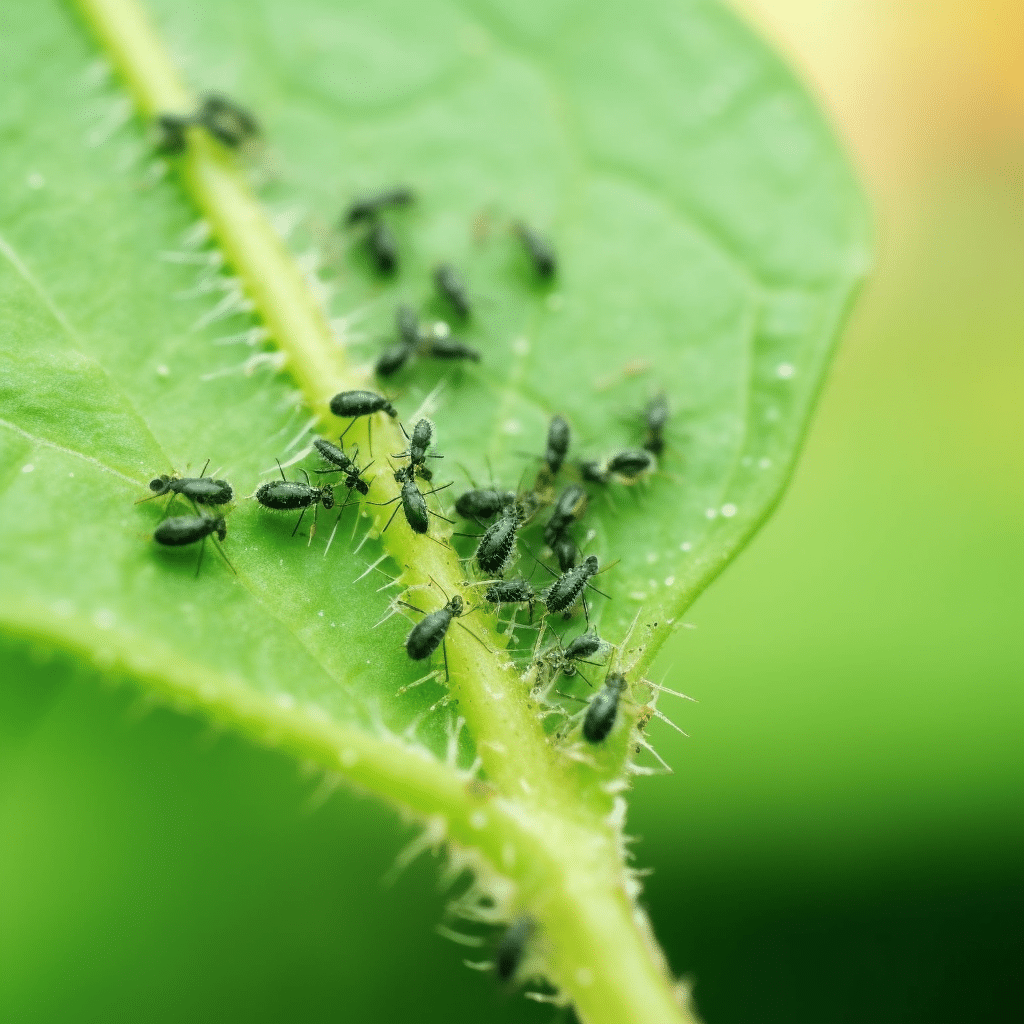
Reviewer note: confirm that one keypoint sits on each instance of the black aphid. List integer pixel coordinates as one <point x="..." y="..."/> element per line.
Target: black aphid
<point x="569" y="507"/>
<point x="495" y="548"/>
<point x="593" y="471"/>
<point x="201" y="489"/>
<point x="508" y="957"/>
<point x="422" y="438"/>
<point x="392" y="359"/>
<point x="450" y="348"/>
<point x="413" y="502"/>
<point x="539" y="249"/>
<point x="655" y="417"/>
<point x="483" y="503"/>
<point x="628" y="466"/>
<point x="517" y="591"/>
<point x="383" y="248"/>
<point x="408" y="326"/>
<point x="564" y="548"/>
<point x="368" y="207"/>
<point x="225" y="120"/>
<point x="171" y="132"/>
<point x="451" y="285"/>
<point x="181" y="530"/>
<point x="286" y="495"/>
<point x="603" y="708"/>
<point x="341" y="463"/>
<point x="585" y="646"/>
<point x="360" y="403"/>
<point x="427" y="635"/>
<point x="566" y="590"/>
<point x="557" y="444"/>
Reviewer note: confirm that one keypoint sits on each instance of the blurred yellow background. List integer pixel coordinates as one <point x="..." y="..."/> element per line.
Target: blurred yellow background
<point x="842" y="838"/>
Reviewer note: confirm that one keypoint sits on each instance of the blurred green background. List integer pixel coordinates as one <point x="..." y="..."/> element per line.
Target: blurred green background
<point x="843" y="837"/>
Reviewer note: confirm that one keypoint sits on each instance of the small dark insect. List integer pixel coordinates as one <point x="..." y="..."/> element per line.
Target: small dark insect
<point x="341" y="463"/>
<point x="181" y="530"/>
<point x="539" y="249"/>
<point x="428" y="634"/>
<point x="413" y="502"/>
<point x="450" y="348"/>
<point x="392" y="359"/>
<point x="383" y="248"/>
<point x="566" y="590"/>
<point x="569" y="507"/>
<point x="482" y="504"/>
<point x="360" y="403"/>
<point x="368" y="207"/>
<point x="286" y="495"/>
<point x="585" y="646"/>
<point x="451" y="285"/>
<point x="517" y="591"/>
<point x="422" y="438"/>
<point x="563" y="547"/>
<point x="226" y="120"/>
<point x="628" y="466"/>
<point x="603" y="708"/>
<point x="198" y="489"/>
<point x="495" y="548"/>
<point x="656" y="416"/>
<point x="557" y="444"/>
<point x="171" y="132"/>
<point x="511" y="946"/>
<point x="408" y="325"/>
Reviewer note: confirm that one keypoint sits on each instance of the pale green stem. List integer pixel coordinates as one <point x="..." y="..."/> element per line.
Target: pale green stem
<point x="535" y="828"/>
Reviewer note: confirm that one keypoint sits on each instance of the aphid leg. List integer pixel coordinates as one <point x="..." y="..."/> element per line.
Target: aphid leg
<point x="416" y="682"/>
<point x="299" y="522"/>
<point x="216" y="544"/>
<point x="476" y="638"/>
<point x="199" y="564"/>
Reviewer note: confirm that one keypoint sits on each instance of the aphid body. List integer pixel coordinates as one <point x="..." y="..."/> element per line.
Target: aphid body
<point x="226" y="121"/>
<point x="288" y="495"/>
<point x="451" y="285"/>
<point x="571" y="504"/>
<point x="422" y="438"/>
<point x="656" y="416"/>
<point x="171" y="132"/>
<point x="603" y="708"/>
<point x="483" y="503"/>
<point x="368" y="207"/>
<point x="495" y="547"/>
<point x="566" y="590"/>
<point x="557" y="443"/>
<point x="585" y="646"/>
<point x="629" y="465"/>
<point x="563" y="547"/>
<point x="180" y="530"/>
<point x="392" y="359"/>
<point x="539" y="249"/>
<point x="200" y="489"/>
<point x="508" y="957"/>
<point x="360" y="403"/>
<point x="342" y="464"/>
<point x="383" y="248"/>
<point x="517" y="591"/>
<point x="451" y="348"/>
<point x="427" y="635"/>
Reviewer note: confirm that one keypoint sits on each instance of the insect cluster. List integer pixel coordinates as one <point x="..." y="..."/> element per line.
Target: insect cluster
<point x="546" y="517"/>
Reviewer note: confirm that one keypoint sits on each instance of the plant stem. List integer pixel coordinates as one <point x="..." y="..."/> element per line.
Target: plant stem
<point x="562" y="850"/>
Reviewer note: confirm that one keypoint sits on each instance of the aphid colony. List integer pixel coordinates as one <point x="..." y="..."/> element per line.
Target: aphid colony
<point x="512" y="511"/>
<point x="495" y="550"/>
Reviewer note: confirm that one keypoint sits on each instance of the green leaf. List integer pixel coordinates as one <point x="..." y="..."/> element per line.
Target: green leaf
<point x="710" y="237"/>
